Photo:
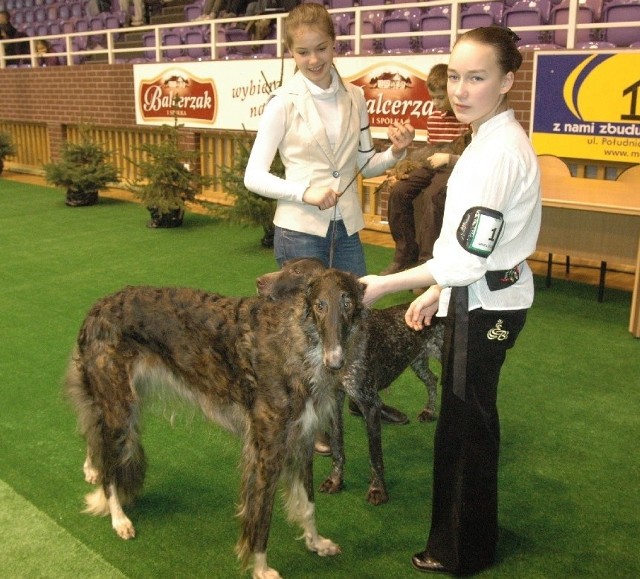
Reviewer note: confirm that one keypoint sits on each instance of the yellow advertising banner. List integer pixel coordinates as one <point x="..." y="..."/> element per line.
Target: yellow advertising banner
<point x="586" y="105"/>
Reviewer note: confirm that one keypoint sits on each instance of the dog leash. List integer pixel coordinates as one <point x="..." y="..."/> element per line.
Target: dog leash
<point x="332" y="245"/>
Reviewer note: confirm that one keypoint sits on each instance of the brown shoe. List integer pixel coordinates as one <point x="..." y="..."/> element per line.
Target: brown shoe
<point x="321" y="445"/>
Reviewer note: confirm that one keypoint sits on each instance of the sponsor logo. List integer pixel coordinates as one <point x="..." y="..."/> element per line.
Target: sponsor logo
<point x="395" y="93"/>
<point x="178" y="93"/>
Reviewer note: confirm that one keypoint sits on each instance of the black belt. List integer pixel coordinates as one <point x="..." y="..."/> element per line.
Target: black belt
<point x="457" y="328"/>
<point x="502" y="278"/>
<point x="456" y="336"/>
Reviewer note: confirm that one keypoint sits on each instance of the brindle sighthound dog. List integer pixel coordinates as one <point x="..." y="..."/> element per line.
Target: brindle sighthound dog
<point x="390" y="348"/>
<point x="268" y="370"/>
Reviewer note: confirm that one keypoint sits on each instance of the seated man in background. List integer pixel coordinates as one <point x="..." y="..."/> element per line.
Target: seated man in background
<point x="428" y="174"/>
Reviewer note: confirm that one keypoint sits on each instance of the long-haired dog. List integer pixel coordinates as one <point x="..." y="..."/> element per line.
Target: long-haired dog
<point x="390" y="348"/>
<point x="265" y="369"/>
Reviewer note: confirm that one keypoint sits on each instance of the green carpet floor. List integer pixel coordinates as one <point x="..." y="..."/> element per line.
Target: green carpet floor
<point x="569" y="401"/>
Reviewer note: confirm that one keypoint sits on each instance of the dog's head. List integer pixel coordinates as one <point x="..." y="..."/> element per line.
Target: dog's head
<point x="334" y="301"/>
<point x="293" y="278"/>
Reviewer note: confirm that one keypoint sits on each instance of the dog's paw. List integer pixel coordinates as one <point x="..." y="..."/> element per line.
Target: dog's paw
<point x="261" y="570"/>
<point x="332" y="485"/>
<point x="324" y="547"/>
<point x="91" y="474"/>
<point x="124" y="528"/>
<point x="427" y="416"/>
<point x="377" y="495"/>
<point x="267" y="573"/>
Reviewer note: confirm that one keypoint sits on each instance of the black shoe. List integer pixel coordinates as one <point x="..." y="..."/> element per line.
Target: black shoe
<point x="388" y="414"/>
<point x="427" y="564"/>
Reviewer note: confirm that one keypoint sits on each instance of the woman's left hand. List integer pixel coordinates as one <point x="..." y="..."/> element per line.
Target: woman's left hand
<point x="401" y="136"/>
<point x="423" y="308"/>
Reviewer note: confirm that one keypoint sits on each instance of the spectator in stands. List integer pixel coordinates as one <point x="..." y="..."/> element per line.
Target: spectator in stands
<point x="46" y="55"/>
<point x="95" y="7"/>
<point x="9" y="32"/>
<point x="138" y="12"/>
<point x="320" y="126"/>
<point x="442" y="127"/>
<point x="223" y="9"/>
<point x="260" y="29"/>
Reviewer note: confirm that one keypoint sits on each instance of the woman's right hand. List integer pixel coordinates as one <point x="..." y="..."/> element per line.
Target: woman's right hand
<point x="321" y="197"/>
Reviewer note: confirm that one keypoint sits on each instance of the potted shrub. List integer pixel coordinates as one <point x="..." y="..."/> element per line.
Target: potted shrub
<point x="164" y="181"/>
<point x="83" y="169"/>
<point x="6" y="149"/>
<point x="248" y="208"/>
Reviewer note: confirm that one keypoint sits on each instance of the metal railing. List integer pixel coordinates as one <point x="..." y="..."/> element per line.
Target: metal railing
<point x="107" y="47"/>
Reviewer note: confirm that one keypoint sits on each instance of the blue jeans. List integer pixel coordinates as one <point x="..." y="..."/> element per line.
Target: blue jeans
<point x="348" y="254"/>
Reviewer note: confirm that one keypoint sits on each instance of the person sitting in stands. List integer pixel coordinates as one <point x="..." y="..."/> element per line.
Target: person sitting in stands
<point x="46" y="55"/>
<point x="8" y="32"/>
<point x="442" y="127"/>
<point x="223" y="9"/>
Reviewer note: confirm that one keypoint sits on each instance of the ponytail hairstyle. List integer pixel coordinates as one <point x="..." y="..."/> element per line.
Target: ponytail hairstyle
<point x="312" y="15"/>
<point x="502" y="40"/>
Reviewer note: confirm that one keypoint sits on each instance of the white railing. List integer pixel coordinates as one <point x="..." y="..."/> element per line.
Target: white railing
<point x="217" y="46"/>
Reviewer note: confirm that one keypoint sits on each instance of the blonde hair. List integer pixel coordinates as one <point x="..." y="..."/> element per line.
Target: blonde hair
<point x="311" y="15"/>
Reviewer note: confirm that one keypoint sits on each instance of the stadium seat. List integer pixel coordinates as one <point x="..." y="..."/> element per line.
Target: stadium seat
<point x="238" y="35"/>
<point x="338" y="4"/>
<point x="560" y="15"/>
<point x="195" y="36"/>
<point x="622" y="11"/>
<point x="397" y="44"/>
<point x="481" y="14"/>
<point x="437" y="18"/>
<point x="529" y="13"/>
<point x="367" y="45"/>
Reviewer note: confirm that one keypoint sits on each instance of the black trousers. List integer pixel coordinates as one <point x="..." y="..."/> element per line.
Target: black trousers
<point x="464" y="519"/>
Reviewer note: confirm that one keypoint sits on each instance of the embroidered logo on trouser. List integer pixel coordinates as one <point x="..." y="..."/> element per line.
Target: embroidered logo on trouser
<point x="498" y="333"/>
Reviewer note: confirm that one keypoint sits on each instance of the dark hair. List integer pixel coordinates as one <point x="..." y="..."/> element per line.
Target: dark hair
<point x="313" y="15"/>
<point x="503" y="40"/>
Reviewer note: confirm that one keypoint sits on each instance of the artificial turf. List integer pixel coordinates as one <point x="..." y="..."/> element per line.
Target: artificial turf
<point x="569" y="400"/>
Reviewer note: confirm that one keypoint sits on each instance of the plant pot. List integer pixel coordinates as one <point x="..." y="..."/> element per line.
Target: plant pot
<point x="172" y="218"/>
<point x="81" y="198"/>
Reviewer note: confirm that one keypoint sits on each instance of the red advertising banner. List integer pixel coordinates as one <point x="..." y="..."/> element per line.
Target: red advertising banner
<point x="231" y="95"/>
<point x="177" y="93"/>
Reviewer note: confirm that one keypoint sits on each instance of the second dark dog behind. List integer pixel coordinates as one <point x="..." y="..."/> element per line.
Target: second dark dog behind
<point x="391" y="347"/>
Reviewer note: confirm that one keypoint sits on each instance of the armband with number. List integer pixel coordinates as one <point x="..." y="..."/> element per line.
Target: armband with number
<point x="479" y="230"/>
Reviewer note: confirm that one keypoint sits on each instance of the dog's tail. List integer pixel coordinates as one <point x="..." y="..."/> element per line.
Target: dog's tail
<point x="109" y="423"/>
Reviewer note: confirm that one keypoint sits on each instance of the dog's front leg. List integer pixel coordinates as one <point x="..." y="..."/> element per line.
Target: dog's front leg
<point x="262" y="466"/>
<point x="377" y="494"/>
<point x="334" y="483"/>
<point x="306" y="512"/>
